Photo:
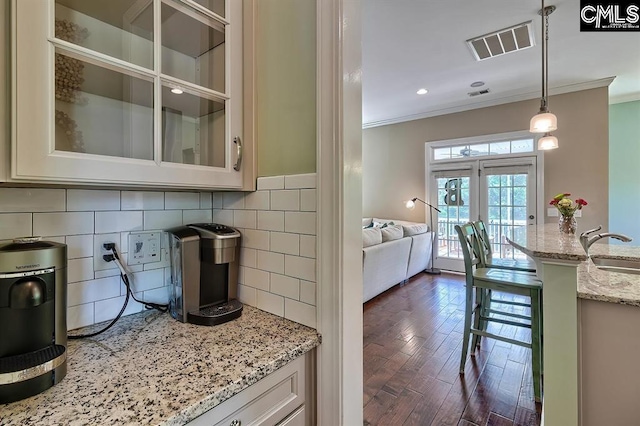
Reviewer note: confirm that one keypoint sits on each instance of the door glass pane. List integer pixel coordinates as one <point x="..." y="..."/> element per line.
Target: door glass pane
<point x="100" y="110"/>
<point x="193" y="129"/>
<point x="505" y="212"/>
<point x="193" y="50"/>
<point x="122" y="29"/>
<point x="453" y="201"/>
<point x="216" y="6"/>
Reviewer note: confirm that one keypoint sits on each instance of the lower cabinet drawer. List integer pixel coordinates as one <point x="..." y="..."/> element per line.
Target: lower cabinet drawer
<point x="297" y="418"/>
<point x="265" y="403"/>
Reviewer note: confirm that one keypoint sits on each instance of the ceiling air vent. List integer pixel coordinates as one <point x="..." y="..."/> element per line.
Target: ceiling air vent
<point x="478" y="93"/>
<point x="502" y="41"/>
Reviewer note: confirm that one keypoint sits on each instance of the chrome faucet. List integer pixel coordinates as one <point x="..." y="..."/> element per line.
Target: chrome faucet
<point x="586" y="240"/>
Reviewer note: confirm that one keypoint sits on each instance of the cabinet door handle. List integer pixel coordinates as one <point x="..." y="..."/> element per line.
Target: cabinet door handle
<point x="234" y="423"/>
<point x="236" y="166"/>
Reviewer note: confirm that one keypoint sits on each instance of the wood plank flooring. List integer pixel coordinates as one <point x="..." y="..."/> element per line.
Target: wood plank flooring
<point x="412" y="344"/>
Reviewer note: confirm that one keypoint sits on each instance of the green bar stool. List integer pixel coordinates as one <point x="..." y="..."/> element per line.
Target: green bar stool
<point x="481" y="280"/>
<point x="486" y="253"/>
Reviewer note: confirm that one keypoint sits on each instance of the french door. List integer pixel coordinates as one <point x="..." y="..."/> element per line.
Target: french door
<point x="500" y="192"/>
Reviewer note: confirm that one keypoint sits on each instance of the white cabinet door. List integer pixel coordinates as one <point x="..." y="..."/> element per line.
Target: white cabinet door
<point x="136" y="92"/>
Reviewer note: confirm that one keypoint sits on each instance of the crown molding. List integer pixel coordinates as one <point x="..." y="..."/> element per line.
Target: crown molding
<point x="620" y="99"/>
<point x="594" y="84"/>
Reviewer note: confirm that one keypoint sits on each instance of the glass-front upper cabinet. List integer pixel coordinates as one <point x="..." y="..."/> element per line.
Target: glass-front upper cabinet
<point x="143" y="92"/>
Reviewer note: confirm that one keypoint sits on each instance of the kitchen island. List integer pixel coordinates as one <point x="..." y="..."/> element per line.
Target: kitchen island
<point x="580" y="301"/>
<point x="151" y="369"/>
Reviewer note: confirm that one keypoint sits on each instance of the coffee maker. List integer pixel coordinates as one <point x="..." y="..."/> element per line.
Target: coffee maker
<point x="204" y="273"/>
<point x="33" y="321"/>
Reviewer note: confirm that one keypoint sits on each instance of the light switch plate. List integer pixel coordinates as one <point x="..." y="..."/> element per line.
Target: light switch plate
<point x="144" y="247"/>
<point x="552" y="212"/>
<point x="578" y="213"/>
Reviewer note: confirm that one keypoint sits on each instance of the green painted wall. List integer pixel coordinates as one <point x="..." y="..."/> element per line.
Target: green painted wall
<point x="624" y="170"/>
<point x="286" y="86"/>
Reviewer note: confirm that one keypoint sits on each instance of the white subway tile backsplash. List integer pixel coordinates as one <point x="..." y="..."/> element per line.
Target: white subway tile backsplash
<point x="64" y="223"/>
<point x="233" y="200"/>
<point x="285" y="200"/>
<point x="258" y="200"/>
<point x="79" y="246"/>
<point x="61" y="240"/>
<point x="107" y="309"/>
<point x="162" y="219"/>
<point x="270" y="182"/>
<point x="300" y="181"/>
<point x="80" y="269"/>
<point x="206" y="200"/>
<point x="141" y="200"/>
<point x="256" y="278"/>
<point x="118" y="221"/>
<point x="269" y="261"/>
<point x="307" y="246"/>
<point x="216" y="199"/>
<point x="248" y="257"/>
<point x="270" y="220"/>
<point x="79" y="316"/>
<point x="157" y="295"/>
<point x="300" y="222"/>
<point x="93" y="290"/>
<point x="224" y="217"/>
<point x="107" y="273"/>
<point x="181" y="200"/>
<point x="270" y="302"/>
<point x="32" y="200"/>
<point x="300" y="312"/>
<point x="300" y="267"/>
<point x="308" y="292"/>
<point x="282" y="242"/>
<point x="285" y="286"/>
<point x="244" y="219"/>
<point x="83" y="200"/>
<point x="308" y="200"/>
<point x="197" y="216"/>
<point x="13" y="225"/>
<point x="247" y="295"/>
<point x="256" y="239"/>
<point x="147" y="280"/>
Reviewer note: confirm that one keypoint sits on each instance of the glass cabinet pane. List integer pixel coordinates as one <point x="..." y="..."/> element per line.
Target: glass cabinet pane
<point x="193" y="129"/>
<point x="193" y="49"/>
<point x="122" y="29"/>
<point x="101" y="110"/>
<point x="216" y="6"/>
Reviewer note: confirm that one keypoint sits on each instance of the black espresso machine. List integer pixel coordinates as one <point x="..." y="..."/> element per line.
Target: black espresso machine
<point x="33" y="322"/>
<point x="204" y="273"/>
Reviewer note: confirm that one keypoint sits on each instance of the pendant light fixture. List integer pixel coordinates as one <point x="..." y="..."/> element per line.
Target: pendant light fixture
<point x="545" y="122"/>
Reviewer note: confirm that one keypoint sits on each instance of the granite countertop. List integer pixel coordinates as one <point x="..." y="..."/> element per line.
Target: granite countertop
<point x="150" y="369"/>
<point x="545" y="242"/>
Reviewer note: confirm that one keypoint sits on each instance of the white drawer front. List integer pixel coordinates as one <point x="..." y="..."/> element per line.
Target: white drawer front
<point x="295" y="419"/>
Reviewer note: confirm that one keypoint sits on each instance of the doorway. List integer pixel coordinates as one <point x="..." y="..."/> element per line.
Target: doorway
<point x="495" y="181"/>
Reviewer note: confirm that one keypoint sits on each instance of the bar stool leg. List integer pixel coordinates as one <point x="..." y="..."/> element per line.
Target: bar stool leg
<point x="536" y="353"/>
<point x="468" y="310"/>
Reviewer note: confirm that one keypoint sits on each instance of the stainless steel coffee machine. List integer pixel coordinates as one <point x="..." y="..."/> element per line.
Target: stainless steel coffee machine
<point x="204" y="273"/>
<point x="33" y="321"/>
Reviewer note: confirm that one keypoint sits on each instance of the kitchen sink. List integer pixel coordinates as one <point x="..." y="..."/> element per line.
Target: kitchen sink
<point x="617" y="265"/>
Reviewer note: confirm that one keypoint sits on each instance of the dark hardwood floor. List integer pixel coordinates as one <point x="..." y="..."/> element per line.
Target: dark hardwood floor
<point x="412" y="344"/>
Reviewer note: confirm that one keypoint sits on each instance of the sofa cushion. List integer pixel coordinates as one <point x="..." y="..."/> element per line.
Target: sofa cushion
<point x="366" y="221"/>
<point x="391" y="232"/>
<point x="371" y="237"/>
<point x="415" y="229"/>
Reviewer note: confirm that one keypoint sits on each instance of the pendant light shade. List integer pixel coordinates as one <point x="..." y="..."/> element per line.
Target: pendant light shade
<point x="548" y="141"/>
<point x="543" y="122"/>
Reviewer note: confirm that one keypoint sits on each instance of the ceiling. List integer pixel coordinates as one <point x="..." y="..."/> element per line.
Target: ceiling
<point x="413" y="44"/>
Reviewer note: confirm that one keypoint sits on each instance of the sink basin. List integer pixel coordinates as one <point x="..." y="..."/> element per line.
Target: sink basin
<point x="617" y="265"/>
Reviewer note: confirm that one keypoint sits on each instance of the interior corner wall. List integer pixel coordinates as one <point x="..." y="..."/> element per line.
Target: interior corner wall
<point x="393" y="156"/>
<point x="5" y="88"/>
<point x="286" y="86"/>
<point x="624" y="173"/>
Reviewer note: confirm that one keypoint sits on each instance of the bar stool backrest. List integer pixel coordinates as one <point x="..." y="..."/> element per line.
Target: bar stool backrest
<point x="469" y="242"/>
<point x="484" y="242"/>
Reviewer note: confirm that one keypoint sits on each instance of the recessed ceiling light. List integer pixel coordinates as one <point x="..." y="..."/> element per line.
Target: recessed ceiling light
<point x="477" y="84"/>
<point x="177" y="91"/>
<point x="422" y="92"/>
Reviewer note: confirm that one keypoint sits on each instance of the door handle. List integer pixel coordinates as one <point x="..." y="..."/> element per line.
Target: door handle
<point x="238" y="143"/>
<point x="531" y="217"/>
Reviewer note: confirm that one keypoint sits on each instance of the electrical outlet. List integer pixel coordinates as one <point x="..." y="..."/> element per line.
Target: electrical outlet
<point x="99" y="240"/>
<point x="144" y="247"/>
<point x="578" y="213"/>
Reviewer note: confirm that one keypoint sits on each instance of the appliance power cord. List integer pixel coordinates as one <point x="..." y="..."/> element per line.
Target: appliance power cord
<point x="125" y="279"/>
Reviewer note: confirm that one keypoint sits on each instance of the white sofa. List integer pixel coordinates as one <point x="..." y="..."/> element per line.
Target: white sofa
<point x="393" y="253"/>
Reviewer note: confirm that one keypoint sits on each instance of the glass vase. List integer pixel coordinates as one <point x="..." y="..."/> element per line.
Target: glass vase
<point x="567" y="224"/>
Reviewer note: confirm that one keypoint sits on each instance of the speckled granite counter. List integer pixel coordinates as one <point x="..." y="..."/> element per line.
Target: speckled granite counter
<point x="150" y="369"/>
<point x="545" y="242"/>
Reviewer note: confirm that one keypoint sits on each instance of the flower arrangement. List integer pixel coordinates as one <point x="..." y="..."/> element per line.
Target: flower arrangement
<point x="565" y="205"/>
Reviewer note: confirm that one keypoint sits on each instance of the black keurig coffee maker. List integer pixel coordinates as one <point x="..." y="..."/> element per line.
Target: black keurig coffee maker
<point x="33" y="324"/>
<point x="204" y="273"/>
